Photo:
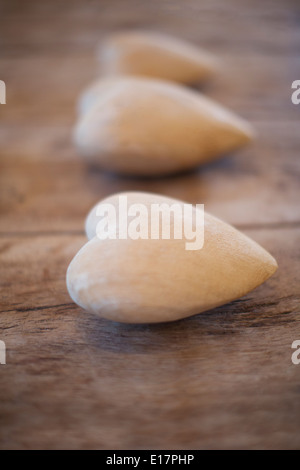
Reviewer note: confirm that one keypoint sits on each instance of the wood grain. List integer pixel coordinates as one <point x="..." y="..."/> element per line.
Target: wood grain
<point x="222" y="379"/>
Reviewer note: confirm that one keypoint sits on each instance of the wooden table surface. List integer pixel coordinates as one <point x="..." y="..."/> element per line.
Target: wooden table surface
<point x="222" y="379"/>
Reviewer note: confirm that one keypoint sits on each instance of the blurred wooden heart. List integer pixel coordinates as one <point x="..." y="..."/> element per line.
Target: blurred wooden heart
<point x="152" y="127"/>
<point x="152" y="54"/>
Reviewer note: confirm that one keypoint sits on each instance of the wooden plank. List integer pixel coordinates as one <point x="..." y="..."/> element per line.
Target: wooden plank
<point x="223" y="379"/>
<point x="270" y="26"/>
<point x="45" y="90"/>
<point x="40" y="169"/>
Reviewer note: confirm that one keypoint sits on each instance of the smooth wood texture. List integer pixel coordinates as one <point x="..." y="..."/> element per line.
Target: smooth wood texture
<point x="223" y="379"/>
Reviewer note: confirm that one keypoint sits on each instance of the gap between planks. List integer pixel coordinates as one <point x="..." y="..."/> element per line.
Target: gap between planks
<point x="41" y="233"/>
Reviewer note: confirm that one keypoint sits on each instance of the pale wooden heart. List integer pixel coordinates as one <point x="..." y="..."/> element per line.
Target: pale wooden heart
<point x="145" y="281"/>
